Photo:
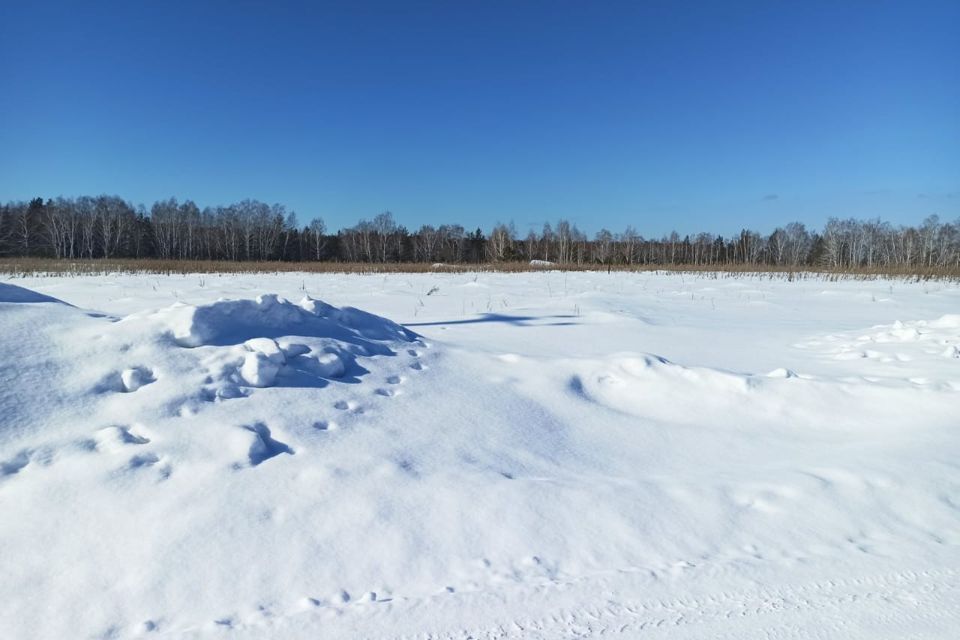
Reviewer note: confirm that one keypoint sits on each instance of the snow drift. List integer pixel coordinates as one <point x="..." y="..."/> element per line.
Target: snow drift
<point x="264" y="468"/>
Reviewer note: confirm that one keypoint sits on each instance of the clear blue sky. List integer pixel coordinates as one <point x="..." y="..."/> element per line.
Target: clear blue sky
<point x="663" y="115"/>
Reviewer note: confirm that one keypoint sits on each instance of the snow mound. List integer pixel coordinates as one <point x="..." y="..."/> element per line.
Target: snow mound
<point x="917" y="330"/>
<point x="267" y="341"/>
<point x="269" y="316"/>
<point x="946" y="321"/>
<point x="912" y="344"/>
<point x="654" y="388"/>
<point x="262" y="364"/>
<point x="649" y="385"/>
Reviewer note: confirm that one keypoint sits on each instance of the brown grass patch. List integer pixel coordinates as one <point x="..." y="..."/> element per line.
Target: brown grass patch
<point x="31" y="267"/>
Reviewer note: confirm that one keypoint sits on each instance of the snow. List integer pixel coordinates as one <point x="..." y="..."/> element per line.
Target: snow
<point x="529" y="455"/>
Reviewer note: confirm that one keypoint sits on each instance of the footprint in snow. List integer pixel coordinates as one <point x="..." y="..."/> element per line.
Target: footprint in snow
<point x="348" y="405"/>
<point x="15" y="464"/>
<point x="139" y="463"/>
<point x="395" y="380"/>
<point x="325" y="425"/>
<point x="133" y="379"/>
<point x="228" y="391"/>
<point x="117" y="438"/>
<point x="144" y="460"/>
<point x="264" y="446"/>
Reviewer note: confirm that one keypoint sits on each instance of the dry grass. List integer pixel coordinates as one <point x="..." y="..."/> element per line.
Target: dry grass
<point x="27" y="267"/>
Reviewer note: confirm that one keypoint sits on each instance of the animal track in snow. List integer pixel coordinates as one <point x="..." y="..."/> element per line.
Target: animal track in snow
<point x="117" y="438"/>
<point x="143" y="460"/>
<point x="15" y="464"/>
<point x="264" y="446"/>
<point x="133" y="379"/>
<point x="395" y="379"/>
<point x="348" y="405"/>
<point x="228" y="391"/>
<point x="595" y="613"/>
<point x="325" y="425"/>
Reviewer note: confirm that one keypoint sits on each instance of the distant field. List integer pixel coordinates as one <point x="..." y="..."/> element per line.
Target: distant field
<point x="22" y="267"/>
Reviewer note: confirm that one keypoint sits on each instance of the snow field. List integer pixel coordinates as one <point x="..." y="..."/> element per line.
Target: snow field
<point x="527" y="455"/>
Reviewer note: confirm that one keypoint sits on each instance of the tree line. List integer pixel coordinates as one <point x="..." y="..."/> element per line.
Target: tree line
<point x="110" y="227"/>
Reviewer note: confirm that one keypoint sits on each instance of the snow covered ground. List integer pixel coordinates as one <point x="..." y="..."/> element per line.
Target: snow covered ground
<point x="539" y="455"/>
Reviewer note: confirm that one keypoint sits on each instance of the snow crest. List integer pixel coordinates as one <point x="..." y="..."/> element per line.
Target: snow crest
<point x="268" y="316"/>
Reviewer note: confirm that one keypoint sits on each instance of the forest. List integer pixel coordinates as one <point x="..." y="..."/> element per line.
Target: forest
<point x="104" y="226"/>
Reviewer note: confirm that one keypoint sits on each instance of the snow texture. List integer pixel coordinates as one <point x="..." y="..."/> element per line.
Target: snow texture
<point x="542" y="455"/>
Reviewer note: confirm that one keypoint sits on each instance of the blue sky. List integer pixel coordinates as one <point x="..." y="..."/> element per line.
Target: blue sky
<point x="664" y="115"/>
